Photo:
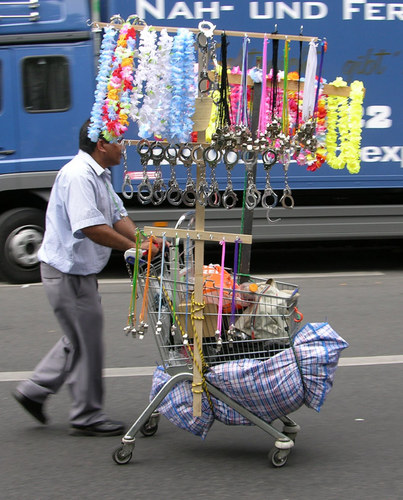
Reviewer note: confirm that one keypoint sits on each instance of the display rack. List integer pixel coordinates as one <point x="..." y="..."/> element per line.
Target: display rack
<point x="199" y="235"/>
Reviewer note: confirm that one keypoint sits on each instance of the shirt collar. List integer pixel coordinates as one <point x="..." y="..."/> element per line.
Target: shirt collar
<point x="91" y="162"/>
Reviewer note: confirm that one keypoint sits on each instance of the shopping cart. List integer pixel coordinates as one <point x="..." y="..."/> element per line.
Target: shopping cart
<point x="255" y="320"/>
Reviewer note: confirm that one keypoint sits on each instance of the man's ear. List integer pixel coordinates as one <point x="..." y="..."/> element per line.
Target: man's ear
<point x="101" y="145"/>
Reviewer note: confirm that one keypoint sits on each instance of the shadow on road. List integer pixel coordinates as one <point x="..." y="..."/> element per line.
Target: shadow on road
<point x="325" y="256"/>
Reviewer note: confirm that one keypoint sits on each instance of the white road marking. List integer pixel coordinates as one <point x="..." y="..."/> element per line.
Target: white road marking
<point x="145" y="371"/>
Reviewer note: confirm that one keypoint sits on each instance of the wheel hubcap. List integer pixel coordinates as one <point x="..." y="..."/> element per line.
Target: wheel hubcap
<point x="23" y="245"/>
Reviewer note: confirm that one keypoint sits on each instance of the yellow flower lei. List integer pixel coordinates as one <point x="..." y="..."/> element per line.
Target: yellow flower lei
<point x="344" y="124"/>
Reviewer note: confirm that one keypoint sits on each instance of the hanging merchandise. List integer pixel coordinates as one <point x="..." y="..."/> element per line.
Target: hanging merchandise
<point x="299" y="120"/>
<point x="308" y="103"/>
<point x="344" y="124"/>
<point x="104" y="68"/>
<point x="180" y="124"/>
<point x="155" y="71"/>
<point x="115" y="112"/>
<point x="263" y="99"/>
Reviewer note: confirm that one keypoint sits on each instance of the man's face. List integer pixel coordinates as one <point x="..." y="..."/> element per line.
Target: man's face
<point x="112" y="152"/>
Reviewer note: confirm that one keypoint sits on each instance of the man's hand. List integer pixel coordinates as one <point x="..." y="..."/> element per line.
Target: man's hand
<point x="156" y="246"/>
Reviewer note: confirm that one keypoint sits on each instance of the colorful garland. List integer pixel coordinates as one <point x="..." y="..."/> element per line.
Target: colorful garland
<point x="117" y="103"/>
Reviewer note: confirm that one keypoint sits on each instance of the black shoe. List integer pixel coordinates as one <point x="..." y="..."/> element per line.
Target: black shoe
<point x="32" y="407"/>
<point x="105" y="428"/>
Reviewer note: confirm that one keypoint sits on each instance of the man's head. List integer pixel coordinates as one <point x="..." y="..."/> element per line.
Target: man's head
<point x="105" y="153"/>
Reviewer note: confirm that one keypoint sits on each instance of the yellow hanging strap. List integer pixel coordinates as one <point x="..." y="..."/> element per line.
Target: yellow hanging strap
<point x="200" y="369"/>
<point x="196" y="307"/>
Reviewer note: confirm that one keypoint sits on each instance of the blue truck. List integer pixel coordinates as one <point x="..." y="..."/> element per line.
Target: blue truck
<point x="48" y="65"/>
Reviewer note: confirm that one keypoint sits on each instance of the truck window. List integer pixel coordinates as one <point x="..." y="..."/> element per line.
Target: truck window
<point x="46" y="84"/>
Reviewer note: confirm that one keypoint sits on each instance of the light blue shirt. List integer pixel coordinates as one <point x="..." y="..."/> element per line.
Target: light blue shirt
<point x="81" y="196"/>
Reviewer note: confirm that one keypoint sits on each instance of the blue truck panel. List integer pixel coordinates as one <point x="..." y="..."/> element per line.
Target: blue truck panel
<point x="47" y="47"/>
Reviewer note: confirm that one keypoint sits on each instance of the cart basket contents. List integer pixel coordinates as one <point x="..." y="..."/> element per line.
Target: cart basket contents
<point x="272" y="388"/>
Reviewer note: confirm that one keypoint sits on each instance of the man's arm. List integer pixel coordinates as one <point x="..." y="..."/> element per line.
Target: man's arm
<point x="109" y="237"/>
<point x="121" y="237"/>
<point x="126" y="227"/>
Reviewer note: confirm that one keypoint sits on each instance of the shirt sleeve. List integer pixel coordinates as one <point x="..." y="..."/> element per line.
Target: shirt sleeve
<point x="81" y="204"/>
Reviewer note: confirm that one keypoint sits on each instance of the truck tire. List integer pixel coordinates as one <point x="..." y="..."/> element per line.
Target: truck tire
<point x="21" y="234"/>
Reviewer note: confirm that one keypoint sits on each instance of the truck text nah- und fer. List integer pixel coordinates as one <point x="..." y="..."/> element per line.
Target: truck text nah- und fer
<point x="351" y="9"/>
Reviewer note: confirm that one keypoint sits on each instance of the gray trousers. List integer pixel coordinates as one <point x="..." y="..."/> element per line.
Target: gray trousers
<point x="77" y="358"/>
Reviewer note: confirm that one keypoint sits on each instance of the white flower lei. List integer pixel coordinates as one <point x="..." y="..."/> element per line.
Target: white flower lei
<point x="145" y="68"/>
<point x="154" y="113"/>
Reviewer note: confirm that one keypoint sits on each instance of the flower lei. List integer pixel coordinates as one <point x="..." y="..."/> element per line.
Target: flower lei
<point x="165" y="90"/>
<point x="117" y="103"/>
<point x="153" y="114"/>
<point x="346" y="119"/>
<point x="104" y="67"/>
<point x="146" y="55"/>
<point x="356" y="112"/>
<point x="183" y="87"/>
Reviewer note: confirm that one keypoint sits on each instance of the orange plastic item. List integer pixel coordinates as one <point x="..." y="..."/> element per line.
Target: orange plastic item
<point x="212" y="285"/>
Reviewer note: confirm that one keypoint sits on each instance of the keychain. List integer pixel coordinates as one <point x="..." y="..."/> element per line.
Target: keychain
<point x="159" y="193"/>
<point x="205" y="42"/>
<point x="189" y="194"/>
<point x="230" y="198"/>
<point x="174" y="193"/>
<point x="252" y="194"/>
<point x="213" y="156"/>
<point x="269" y="158"/>
<point x="144" y="189"/>
<point x="202" y="188"/>
<point x="127" y="187"/>
<point x="287" y="200"/>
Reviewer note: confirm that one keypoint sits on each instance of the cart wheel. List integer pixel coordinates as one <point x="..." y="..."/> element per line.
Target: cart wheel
<point x="149" y="430"/>
<point x="121" y="457"/>
<point x="278" y="458"/>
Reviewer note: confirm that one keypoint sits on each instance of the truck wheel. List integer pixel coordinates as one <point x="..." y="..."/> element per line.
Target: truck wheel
<point x="21" y="234"/>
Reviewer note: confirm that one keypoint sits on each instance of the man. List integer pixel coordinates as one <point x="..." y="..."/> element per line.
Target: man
<point x="85" y="220"/>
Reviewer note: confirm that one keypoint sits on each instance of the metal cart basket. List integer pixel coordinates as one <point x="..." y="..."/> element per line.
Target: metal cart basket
<point x="256" y="320"/>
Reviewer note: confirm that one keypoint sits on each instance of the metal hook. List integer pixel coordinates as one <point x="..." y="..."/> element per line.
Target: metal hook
<point x="95" y="28"/>
<point x="135" y="19"/>
<point x="116" y="19"/>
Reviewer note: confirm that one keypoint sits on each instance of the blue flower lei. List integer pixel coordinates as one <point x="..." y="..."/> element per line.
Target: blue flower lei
<point x="104" y="66"/>
<point x="183" y="99"/>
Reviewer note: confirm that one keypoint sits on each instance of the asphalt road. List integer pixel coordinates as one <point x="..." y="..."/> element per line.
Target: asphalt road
<point x="352" y="449"/>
